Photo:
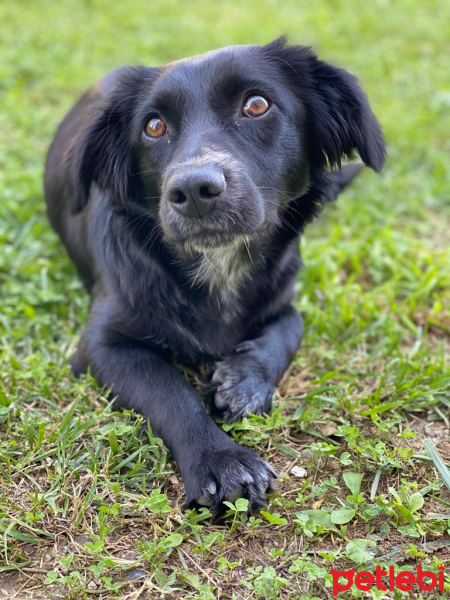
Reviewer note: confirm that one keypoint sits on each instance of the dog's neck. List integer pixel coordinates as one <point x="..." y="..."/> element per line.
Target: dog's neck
<point x="220" y="270"/>
<point x="224" y="268"/>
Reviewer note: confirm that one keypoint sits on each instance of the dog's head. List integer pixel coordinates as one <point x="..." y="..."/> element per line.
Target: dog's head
<point x="216" y="146"/>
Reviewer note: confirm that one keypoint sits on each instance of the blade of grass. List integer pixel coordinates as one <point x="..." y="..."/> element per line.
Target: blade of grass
<point x="438" y="461"/>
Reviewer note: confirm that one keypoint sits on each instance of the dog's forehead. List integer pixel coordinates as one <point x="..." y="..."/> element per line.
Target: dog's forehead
<point x="217" y="56"/>
<point x="203" y="69"/>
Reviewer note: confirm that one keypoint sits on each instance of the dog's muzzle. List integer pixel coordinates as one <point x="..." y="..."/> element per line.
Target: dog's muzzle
<point x="195" y="191"/>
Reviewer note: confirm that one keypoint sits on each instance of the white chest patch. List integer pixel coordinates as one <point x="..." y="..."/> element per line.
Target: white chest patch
<point x="223" y="269"/>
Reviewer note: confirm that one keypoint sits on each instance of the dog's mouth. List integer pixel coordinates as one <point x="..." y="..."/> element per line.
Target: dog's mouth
<point x="223" y="230"/>
<point x="197" y="243"/>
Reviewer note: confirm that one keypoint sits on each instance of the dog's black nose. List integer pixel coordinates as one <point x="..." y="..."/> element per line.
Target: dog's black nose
<point x="194" y="192"/>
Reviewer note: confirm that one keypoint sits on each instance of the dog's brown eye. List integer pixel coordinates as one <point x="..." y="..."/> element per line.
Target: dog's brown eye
<point x="155" y="127"/>
<point x="255" y="106"/>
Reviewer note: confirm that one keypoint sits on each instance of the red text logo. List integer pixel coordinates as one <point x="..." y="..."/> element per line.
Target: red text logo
<point x="387" y="580"/>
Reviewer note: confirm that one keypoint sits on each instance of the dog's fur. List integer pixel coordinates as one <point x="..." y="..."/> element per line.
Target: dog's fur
<point x="167" y="287"/>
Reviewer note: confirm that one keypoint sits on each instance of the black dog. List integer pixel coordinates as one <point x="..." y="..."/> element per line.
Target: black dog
<point x="180" y="193"/>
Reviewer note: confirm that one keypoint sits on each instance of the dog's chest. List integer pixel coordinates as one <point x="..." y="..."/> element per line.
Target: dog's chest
<point x="222" y="271"/>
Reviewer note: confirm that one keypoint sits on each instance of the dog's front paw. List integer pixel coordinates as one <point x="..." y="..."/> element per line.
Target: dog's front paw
<point x="239" y="386"/>
<point x="228" y="475"/>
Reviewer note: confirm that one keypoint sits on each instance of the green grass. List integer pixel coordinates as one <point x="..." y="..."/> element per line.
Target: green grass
<point x="86" y="506"/>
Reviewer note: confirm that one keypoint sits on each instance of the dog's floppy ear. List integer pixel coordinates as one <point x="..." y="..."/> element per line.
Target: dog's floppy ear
<point x="342" y="119"/>
<point x="103" y="153"/>
<point x="339" y="119"/>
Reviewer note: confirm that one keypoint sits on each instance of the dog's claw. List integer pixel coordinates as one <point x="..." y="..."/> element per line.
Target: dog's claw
<point x="238" y="473"/>
<point x="212" y="488"/>
<point x="244" y="347"/>
<point x="272" y="472"/>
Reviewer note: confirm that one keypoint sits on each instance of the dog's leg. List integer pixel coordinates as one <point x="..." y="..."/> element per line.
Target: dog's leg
<point x="244" y="382"/>
<point x="214" y="468"/>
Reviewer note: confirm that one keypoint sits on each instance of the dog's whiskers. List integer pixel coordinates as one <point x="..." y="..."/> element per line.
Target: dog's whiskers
<point x="285" y="194"/>
<point x="247" y="246"/>
<point x="149" y="171"/>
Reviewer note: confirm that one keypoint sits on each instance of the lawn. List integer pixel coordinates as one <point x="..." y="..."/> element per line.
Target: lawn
<point x="90" y="510"/>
